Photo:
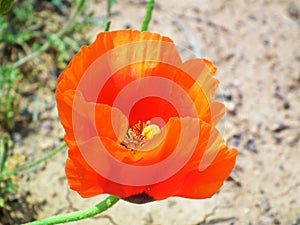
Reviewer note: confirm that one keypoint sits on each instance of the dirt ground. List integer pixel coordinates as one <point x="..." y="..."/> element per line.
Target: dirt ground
<point x="256" y="46"/>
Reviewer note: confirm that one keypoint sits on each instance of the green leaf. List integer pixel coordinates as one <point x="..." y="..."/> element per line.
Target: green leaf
<point x="5" y="5"/>
<point x="9" y="187"/>
<point x="1" y="202"/>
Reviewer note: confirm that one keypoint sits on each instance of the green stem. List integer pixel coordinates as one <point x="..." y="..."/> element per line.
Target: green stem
<point x="108" y="8"/>
<point x="78" y="215"/>
<point x="3" y="152"/>
<point x="34" y="163"/>
<point x="147" y="17"/>
<point x="66" y="27"/>
<point x="107" y="26"/>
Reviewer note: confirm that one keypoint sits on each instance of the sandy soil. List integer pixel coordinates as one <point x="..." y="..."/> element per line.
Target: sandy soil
<point x="255" y="44"/>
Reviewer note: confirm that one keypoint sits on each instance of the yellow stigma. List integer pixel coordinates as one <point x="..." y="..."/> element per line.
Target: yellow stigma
<point x="138" y="134"/>
<point x="150" y="130"/>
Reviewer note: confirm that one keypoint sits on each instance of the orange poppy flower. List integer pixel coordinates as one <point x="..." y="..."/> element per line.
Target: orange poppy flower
<point x="140" y="123"/>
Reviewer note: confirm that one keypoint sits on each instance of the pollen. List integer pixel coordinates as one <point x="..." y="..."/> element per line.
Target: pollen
<point x="139" y="134"/>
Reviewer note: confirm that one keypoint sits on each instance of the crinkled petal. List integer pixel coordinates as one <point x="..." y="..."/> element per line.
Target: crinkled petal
<point x="83" y="120"/>
<point x="204" y="174"/>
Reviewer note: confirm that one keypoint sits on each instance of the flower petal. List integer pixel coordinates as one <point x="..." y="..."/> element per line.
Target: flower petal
<point x="86" y="181"/>
<point x="83" y="120"/>
<point x="202" y="91"/>
<point x="192" y="181"/>
<point x="204" y="184"/>
<point x="104" y="42"/>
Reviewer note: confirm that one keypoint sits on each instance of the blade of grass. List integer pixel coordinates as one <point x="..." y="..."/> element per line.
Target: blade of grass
<point x="3" y="152"/>
<point x="34" y="163"/>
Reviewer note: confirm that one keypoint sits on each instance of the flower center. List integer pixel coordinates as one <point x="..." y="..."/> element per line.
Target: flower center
<point x="139" y="134"/>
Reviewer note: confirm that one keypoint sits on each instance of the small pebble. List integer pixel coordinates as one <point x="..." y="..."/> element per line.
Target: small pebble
<point x="293" y="11"/>
<point x="251" y="146"/>
<point x="17" y="137"/>
<point x="47" y="144"/>
<point x="46" y="127"/>
<point x="227" y="95"/>
<point x="278" y="127"/>
<point x="231" y="108"/>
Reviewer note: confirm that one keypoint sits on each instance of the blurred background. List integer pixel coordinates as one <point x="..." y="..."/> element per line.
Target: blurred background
<point x="256" y="47"/>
